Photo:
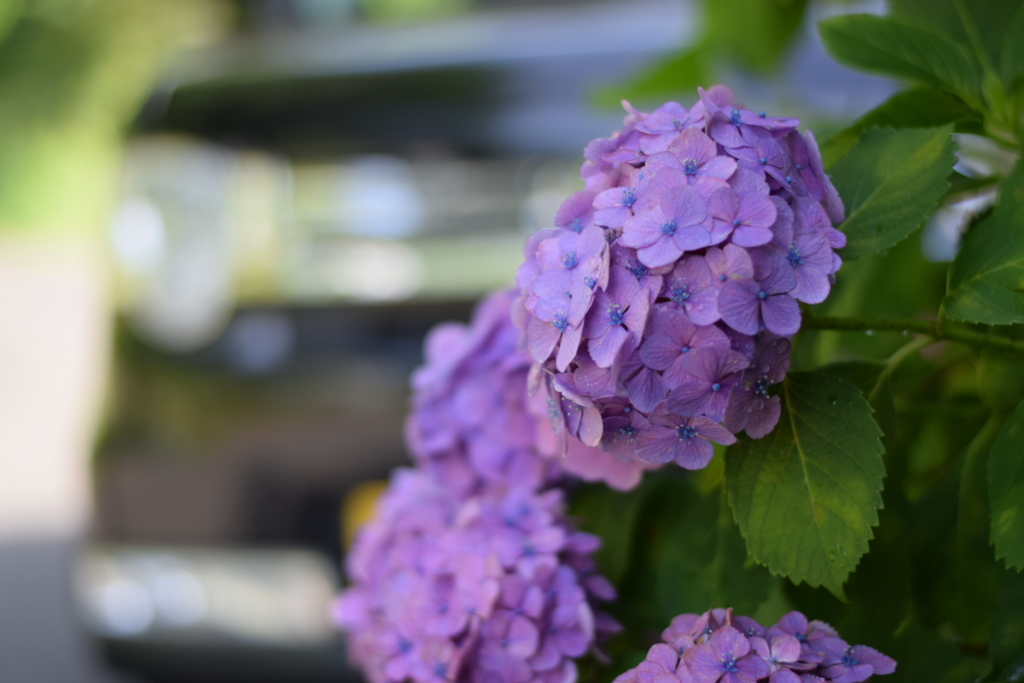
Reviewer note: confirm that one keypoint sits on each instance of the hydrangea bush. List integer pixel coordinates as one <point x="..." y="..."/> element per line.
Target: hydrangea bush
<point x="684" y="298"/>
<point x="661" y="305"/>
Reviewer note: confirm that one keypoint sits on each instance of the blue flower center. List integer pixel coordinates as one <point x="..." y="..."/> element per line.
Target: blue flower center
<point x="789" y="179"/>
<point x="404" y="645"/>
<point x="849" y="659"/>
<point x="717" y="386"/>
<point x="762" y="114"/>
<point x="799" y="167"/>
<point x="678" y="125"/>
<point x="669" y="228"/>
<point x="560" y="322"/>
<point x="794" y="257"/>
<point x="761" y="388"/>
<point x="628" y="197"/>
<point x="589" y="282"/>
<point x="762" y="295"/>
<point x="685" y="349"/>
<point x="680" y="294"/>
<point x="735" y="222"/>
<point x="801" y="637"/>
<point x="627" y="433"/>
<point x="686" y="433"/>
<point x="638" y="269"/>
<point x="729" y="664"/>
<point x="615" y="314"/>
<point x="441" y="670"/>
<point x="570" y="260"/>
<point x="736" y="117"/>
<point x="627" y="410"/>
<point x="763" y="160"/>
<point x="722" y="278"/>
<point x="576" y="225"/>
<point x="690" y="166"/>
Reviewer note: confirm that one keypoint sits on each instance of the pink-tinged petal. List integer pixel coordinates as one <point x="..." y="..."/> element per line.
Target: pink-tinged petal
<point x="702" y="306"/>
<point x="703" y="664"/>
<point x="781" y="315"/>
<point x="697" y="236"/>
<point x="727" y="640"/>
<point x="604" y="349"/>
<point x="724" y="204"/>
<point x="522" y="636"/>
<point x="541" y="338"/>
<point x="794" y="623"/>
<point x="664" y="656"/>
<point x="756" y="210"/>
<point x="745" y="180"/>
<point x="568" y="347"/>
<point x="785" y="648"/>
<point x="660" y="253"/>
<point x="752" y="668"/>
<point x="720" y="167"/>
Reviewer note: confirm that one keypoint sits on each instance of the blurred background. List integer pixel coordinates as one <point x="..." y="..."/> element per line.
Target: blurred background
<point x="226" y="225"/>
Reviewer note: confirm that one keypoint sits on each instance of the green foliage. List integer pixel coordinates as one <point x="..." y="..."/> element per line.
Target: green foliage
<point x="754" y="33"/>
<point x="1008" y="631"/>
<point x="1012" y="60"/>
<point x="986" y="282"/>
<point x="930" y="570"/>
<point x="886" y="46"/>
<point x="914" y="108"/>
<point x="1006" y="490"/>
<point x="891" y="181"/>
<point x="807" y="495"/>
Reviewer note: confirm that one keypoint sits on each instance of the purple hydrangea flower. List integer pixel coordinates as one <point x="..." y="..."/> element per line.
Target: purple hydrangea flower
<point x="492" y="586"/>
<point x="716" y="222"/>
<point x="720" y="646"/>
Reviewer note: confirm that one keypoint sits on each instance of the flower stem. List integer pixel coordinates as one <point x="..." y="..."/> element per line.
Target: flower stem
<point x="950" y="331"/>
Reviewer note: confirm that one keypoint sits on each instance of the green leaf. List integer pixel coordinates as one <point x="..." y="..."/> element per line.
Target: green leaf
<point x="914" y="108"/>
<point x="1012" y="62"/>
<point x="890" y="182"/>
<point x="1007" y="646"/>
<point x="755" y="33"/>
<point x="990" y="19"/>
<point x="702" y="562"/>
<point x="1006" y="490"/>
<point x="887" y="46"/>
<point x="613" y="516"/>
<point x="873" y="381"/>
<point x="807" y="495"/>
<point x="986" y="280"/>
<point x="664" y="80"/>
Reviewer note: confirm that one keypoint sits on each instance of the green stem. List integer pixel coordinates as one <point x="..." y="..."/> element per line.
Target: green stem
<point x="929" y="328"/>
<point x="894" y="361"/>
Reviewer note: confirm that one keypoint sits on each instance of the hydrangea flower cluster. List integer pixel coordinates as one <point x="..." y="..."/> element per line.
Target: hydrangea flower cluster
<point x="473" y="422"/>
<point x="491" y="588"/>
<point x="661" y="305"/>
<point x="471" y="571"/>
<point x="718" y="646"/>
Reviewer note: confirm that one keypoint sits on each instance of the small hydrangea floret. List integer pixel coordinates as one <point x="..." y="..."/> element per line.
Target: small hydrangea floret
<point x="672" y="284"/>
<point x="718" y="646"/>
